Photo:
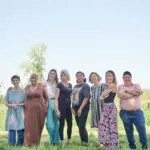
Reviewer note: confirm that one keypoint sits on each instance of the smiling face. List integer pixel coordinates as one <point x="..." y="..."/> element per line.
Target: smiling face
<point x="80" y="78"/>
<point x="127" y="79"/>
<point x="109" y="77"/>
<point x="63" y="77"/>
<point x="15" y="82"/>
<point x="52" y="76"/>
<point x="34" y="79"/>
<point x="94" y="78"/>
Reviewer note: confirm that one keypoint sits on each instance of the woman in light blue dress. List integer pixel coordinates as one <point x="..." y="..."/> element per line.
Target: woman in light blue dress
<point x="15" y="113"/>
<point x="52" y="123"/>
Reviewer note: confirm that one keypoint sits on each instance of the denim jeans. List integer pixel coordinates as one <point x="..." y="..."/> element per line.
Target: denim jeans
<point x="136" y="118"/>
<point x="12" y="137"/>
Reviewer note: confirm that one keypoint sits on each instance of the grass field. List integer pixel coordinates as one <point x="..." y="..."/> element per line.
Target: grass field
<point x="75" y="142"/>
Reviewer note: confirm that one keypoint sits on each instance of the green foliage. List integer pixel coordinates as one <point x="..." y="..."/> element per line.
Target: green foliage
<point x="36" y="63"/>
<point x="1" y="99"/>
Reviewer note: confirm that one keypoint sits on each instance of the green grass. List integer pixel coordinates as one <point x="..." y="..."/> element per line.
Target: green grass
<point x="75" y="142"/>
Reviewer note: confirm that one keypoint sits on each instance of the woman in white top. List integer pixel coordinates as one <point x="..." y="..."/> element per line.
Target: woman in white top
<point x="52" y="122"/>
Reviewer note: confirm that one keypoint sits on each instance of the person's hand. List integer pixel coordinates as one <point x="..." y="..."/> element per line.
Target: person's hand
<point x="73" y="112"/>
<point x="58" y="113"/>
<point x="79" y="112"/>
<point x="14" y="106"/>
<point x="105" y="93"/>
<point x="46" y="108"/>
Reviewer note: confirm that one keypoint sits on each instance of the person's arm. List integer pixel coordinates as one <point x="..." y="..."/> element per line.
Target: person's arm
<point x="7" y="99"/>
<point x="22" y="104"/>
<point x="10" y="105"/>
<point x="105" y="94"/>
<point x="136" y="91"/>
<point x="56" y="100"/>
<point x="45" y="97"/>
<point x="23" y="99"/>
<point x="86" y="93"/>
<point x="123" y="95"/>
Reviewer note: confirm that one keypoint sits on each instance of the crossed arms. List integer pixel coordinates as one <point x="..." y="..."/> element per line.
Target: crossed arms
<point x="127" y="93"/>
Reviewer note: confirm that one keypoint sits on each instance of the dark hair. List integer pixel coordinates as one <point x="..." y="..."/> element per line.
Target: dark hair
<point x="34" y="74"/>
<point x="127" y="73"/>
<point x="114" y="76"/>
<point x="56" y="78"/>
<point x="83" y="80"/>
<point x="98" y="76"/>
<point x="15" y="77"/>
<point x="80" y="72"/>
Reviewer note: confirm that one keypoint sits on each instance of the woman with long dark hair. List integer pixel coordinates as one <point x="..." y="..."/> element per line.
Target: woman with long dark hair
<point x="108" y="131"/>
<point x="52" y="122"/>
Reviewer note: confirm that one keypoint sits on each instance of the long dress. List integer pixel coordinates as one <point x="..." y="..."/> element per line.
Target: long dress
<point x="96" y="104"/>
<point x="15" y="116"/>
<point x="35" y="112"/>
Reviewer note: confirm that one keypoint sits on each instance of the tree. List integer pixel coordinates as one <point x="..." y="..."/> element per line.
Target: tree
<point x="1" y="94"/>
<point x="37" y="61"/>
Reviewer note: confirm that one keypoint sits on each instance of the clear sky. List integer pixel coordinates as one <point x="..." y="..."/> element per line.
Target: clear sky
<point x="87" y="35"/>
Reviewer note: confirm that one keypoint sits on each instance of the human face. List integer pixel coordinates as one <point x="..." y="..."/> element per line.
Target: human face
<point x="109" y="77"/>
<point x="63" y="77"/>
<point x="94" y="78"/>
<point x="52" y="76"/>
<point x="80" y="78"/>
<point x="15" y="82"/>
<point x="127" y="79"/>
<point x="34" y="79"/>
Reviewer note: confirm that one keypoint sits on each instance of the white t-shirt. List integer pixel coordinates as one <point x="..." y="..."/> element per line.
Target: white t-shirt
<point x="51" y="89"/>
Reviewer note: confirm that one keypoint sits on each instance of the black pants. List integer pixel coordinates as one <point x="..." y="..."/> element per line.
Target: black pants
<point x="81" y="122"/>
<point x="66" y="114"/>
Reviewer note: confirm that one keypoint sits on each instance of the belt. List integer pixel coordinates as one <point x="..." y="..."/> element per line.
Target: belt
<point x="52" y="98"/>
<point x="131" y="110"/>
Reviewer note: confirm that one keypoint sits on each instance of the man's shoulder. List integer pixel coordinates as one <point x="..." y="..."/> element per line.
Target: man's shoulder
<point x="121" y="86"/>
<point x="136" y="84"/>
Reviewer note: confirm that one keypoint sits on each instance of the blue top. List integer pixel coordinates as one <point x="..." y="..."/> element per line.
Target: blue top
<point x="15" y="116"/>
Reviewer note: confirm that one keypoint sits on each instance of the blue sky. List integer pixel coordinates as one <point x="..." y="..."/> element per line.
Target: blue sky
<point x="87" y="35"/>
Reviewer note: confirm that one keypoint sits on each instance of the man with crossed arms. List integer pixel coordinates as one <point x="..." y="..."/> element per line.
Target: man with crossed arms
<point x="131" y="113"/>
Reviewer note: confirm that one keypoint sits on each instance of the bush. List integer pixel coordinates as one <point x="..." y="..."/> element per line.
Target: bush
<point x="1" y="99"/>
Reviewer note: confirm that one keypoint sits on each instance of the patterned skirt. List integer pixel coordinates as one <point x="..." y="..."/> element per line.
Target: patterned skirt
<point x="108" y="130"/>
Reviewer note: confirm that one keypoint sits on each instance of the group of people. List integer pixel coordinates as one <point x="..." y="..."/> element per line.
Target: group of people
<point x="56" y="101"/>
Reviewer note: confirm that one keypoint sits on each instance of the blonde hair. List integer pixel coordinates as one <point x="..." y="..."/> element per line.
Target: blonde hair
<point x="66" y="73"/>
